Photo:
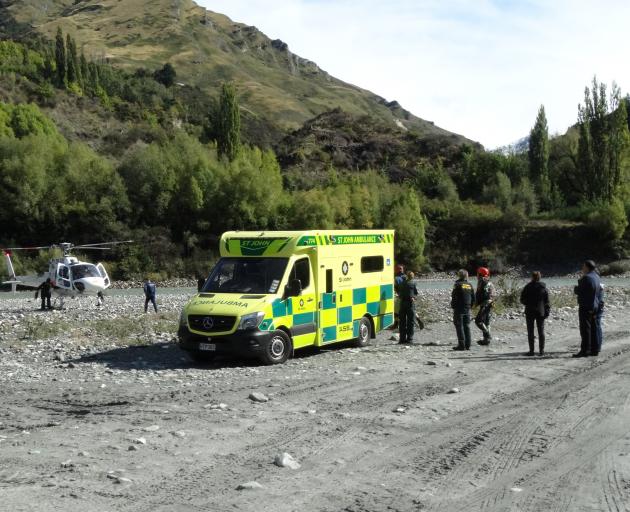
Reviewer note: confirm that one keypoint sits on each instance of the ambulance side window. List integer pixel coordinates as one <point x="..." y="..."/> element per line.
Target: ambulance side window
<point x="302" y="271"/>
<point x="372" y="264"/>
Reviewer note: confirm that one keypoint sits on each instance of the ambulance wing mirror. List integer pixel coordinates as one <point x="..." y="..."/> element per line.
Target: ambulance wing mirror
<point x="293" y="288"/>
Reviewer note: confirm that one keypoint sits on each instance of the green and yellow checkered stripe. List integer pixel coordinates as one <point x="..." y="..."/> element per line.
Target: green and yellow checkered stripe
<point x="339" y="321"/>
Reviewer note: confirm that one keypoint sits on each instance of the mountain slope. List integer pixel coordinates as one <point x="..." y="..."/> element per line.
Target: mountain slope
<point x="206" y="48"/>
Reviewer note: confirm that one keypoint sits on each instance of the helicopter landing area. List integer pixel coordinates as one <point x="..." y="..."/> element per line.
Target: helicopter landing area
<point x="102" y="411"/>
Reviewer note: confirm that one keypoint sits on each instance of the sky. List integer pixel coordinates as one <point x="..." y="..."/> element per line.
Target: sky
<point x="480" y="68"/>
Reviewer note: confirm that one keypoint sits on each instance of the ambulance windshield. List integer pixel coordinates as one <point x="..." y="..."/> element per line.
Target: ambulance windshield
<point x="246" y="275"/>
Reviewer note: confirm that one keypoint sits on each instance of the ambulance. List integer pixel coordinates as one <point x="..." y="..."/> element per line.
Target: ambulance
<point x="272" y="293"/>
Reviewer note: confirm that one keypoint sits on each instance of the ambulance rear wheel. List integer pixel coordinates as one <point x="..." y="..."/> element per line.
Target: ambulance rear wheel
<point x="278" y="349"/>
<point x="365" y="333"/>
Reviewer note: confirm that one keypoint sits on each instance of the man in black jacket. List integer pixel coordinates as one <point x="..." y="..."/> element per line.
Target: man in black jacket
<point x="462" y="300"/>
<point x="535" y="298"/>
<point x="46" y="293"/>
<point x="408" y="292"/>
<point x="588" y="296"/>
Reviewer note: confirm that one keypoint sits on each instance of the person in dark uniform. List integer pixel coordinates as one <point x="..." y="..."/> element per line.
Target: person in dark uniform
<point x="535" y="298"/>
<point x="150" y="294"/>
<point x="46" y="293"/>
<point x="408" y="293"/>
<point x="588" y="294"/>
<point x="462" y="300"/>
<point x="399" y="278"/>
<point x="484" y="298"/>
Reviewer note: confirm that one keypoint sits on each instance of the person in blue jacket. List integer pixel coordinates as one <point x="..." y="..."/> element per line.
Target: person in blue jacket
<point x="588" y="295"/>
<point x="150" y="293"/>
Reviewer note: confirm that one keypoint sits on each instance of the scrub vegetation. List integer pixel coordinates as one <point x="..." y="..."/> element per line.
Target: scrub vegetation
<point x="95" y="149"/>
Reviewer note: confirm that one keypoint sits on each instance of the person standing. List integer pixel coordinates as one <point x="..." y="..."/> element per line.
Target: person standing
<point x="484" y="298"/>
<point x="588" y="292"/>
<point x="150" y="294"/>
<point x="407" y="293"/>
<point x="399" y="278"/>
<point x="46" y="293"/>
<point x="462" y="300"/>
<point x="535" y="298"/>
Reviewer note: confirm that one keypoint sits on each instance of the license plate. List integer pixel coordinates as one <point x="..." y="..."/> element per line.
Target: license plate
<point x="207" y="347"/>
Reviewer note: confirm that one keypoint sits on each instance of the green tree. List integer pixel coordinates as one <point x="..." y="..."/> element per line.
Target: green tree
<point x="538" y="155"/>
<point x="85" y="72"/>
<point x="609" y="220"/>
<point x="499" y="191"/>
<point x="252" y="191"/>
<point x="619" y="138"/>
<point x="74" y="70"/>
<point x="404" y="215"/>
<point x="603" y="142"/>
<point x="310" y="209"/>
<point x="166" y="75"/>
<point x="60" y="59"/>
<point x="229" y="123"/>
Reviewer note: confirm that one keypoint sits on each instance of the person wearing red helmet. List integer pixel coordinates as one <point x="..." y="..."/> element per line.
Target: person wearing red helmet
<point x="484" y="299"/>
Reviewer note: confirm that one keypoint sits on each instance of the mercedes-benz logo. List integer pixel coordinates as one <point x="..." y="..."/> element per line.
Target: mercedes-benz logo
<point x="345" y="268"/>
<point x="208" y="323"/>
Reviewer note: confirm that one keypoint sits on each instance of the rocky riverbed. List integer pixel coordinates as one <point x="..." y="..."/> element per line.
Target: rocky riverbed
<point x="102" y="411"/>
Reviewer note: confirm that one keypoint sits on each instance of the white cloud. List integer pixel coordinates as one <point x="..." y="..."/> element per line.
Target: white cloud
<point x="478" y="68"/>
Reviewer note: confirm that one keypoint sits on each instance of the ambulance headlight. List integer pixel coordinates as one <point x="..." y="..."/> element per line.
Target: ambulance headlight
<point x="183" y="319"/>
<point x="251" y="321"/>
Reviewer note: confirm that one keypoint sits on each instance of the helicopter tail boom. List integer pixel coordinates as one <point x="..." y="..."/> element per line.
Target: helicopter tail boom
<point x="10" y="269"/>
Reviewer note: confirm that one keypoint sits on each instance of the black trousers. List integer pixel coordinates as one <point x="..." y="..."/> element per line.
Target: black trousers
<point x="46" y="302"/>
<point x="461" y="319"/>
<point x="406" y="317"/>
<point x="588" y="332"/>
<point x="482" y="321"/>
<point x="535" y="320"/>
<point x="152" y="301"/>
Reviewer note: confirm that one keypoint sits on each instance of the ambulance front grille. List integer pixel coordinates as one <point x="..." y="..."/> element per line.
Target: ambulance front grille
<point x="211" y="323"/>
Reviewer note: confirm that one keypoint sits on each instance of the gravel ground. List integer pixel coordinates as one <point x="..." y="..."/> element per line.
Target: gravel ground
<point x="101" y="411"/>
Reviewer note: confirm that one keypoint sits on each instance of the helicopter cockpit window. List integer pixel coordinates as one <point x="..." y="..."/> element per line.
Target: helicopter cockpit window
<point x="82" y="271"/>
<point x="246" y="275"/>
<point x="64" y="273"/>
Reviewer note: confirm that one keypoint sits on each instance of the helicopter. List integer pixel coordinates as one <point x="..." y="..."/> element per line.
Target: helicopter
<point x="69" y="276"/>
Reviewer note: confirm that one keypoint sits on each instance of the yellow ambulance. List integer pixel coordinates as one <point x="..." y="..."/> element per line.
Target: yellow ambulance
<point x="275" y="292"/>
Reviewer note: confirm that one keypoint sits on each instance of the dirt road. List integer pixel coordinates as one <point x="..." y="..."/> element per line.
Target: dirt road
<point x="89" y="427"/>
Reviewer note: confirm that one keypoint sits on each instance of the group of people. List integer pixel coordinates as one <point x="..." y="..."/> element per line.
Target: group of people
<point x="534" y="297"/>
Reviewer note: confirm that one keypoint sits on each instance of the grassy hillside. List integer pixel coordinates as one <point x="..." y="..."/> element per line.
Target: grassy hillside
<point x="206" y="48"/>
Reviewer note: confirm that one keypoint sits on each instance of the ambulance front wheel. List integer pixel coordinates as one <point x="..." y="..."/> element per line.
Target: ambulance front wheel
<point x="278" y="349"/>
<point x="365" y="333"/>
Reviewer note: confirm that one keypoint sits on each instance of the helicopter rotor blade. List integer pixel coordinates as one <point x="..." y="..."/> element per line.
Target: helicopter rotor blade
<point x="29" y="248"/>
<point x="103" y="243"/>
<point x="93" y="248"/>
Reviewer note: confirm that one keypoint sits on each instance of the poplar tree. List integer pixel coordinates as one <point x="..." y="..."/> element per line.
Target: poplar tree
<point x="60" y="59"/>
<point x="603" y="141"/>
<point x="85" y="72"/>
<point x="229" y="123"/>
<point x="73" y="61"/>
<point x="539" y="157"/>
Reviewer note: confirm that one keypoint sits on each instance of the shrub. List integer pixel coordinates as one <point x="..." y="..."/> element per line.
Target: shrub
<point x="609" y="220"/>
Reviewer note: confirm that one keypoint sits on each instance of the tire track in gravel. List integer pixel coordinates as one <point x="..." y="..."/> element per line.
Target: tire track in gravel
<point x="466" y="418"/>
<point x="583" y="414"/>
